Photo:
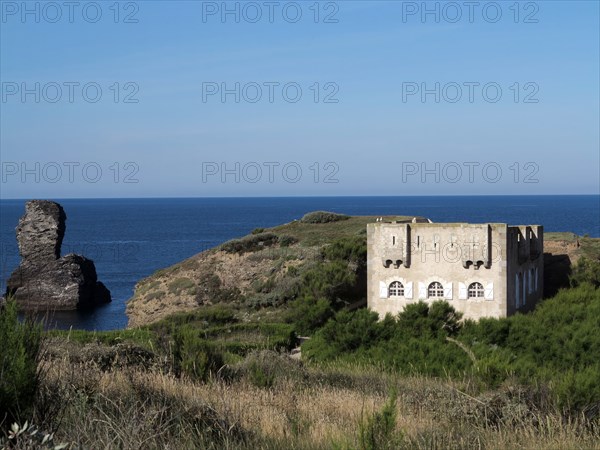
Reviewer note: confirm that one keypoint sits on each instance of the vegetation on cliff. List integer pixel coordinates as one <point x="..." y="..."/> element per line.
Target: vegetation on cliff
<point x="265" y="269"/>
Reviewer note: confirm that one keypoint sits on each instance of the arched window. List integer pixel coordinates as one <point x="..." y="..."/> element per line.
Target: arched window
<point x="476" y="290"/>
<point x="396" y="289"/>
<point x="435" y="289"/>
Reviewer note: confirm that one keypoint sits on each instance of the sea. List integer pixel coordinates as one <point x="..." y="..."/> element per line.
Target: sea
<point x="129" y="239"/>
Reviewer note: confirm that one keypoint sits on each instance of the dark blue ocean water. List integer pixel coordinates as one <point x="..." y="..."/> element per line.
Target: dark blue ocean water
<point x="129" y="239"/>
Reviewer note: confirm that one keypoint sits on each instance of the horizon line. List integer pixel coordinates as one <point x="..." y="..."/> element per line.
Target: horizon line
<point x="302" y="196"/>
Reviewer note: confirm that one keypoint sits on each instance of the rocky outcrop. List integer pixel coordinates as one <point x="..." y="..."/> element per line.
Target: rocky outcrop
<point x="44" y="279"/>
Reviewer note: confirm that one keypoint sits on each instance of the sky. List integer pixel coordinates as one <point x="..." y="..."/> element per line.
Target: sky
<point x="194" y="99"/>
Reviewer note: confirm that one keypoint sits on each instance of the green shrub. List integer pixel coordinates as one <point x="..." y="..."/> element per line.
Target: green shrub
<point x="201" y="317"/>
<point x="258" y="231"/>
<point x="250" y="243"/>
<point x="194" y="356"/>
<point x="585" y="271"/>
<point x="264" y="368"/>
<point x="309" y="313"/>
<point x="344" y="333"/>
<point x="330" y="285"/>
<point x="379" y="432"/>
<point x="323" y="217"/>
<point x="260" y="300"/>
<point x="486" y="331"/>
<point x="347" y="249"/>
<point x="286" y="240"/>
<point x="495" y="367"/>
<point x="431" y="321"/>
<point x="141" y="336"/>
<point x="333" y="281"/>
<point x="145" y="287"/>
<point x="413" y="342"/>
<point x="264" y="286"/>
<point x="244" y="336"/>
<point x="21" y="348"/>
<point x="578" y="389"/>
<point x="325" y="288"/>
<point x="558" y="343"/>
<point x="156" y="295"/>
<point x="179" y="285"/>
<point x="259" y="377"/>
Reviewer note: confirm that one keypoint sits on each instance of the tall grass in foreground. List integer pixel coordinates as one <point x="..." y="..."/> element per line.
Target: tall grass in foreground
<point x="20" y="350"/>
<point x="132" y="406"/>
<point x="417" y="381"/>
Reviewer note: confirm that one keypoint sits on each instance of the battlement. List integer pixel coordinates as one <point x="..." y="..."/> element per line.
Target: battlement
<point x="479" y="262"/>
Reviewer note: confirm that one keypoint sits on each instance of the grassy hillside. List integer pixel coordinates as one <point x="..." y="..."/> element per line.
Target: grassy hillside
<point x="214" y="365"/>
<point x="571" y="244"/>
<point x="259" y="273"/>
<point x="260" y="270"/>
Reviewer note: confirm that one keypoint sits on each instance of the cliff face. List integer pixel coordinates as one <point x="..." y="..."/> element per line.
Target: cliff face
<point x="211" y="277"/>
<point x="44" y="279"/>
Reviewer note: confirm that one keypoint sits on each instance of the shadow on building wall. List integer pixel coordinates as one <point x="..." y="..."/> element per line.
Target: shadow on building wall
<point x="557" y="269"/>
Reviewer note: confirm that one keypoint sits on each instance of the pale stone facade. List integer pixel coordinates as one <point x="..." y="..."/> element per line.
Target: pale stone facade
<point x="482" y="270"/>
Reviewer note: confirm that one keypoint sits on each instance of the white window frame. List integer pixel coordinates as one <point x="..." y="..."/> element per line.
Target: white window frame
<point x="396" y="286"/>
<point x="435" y="289"/>
<point x="475" y="290"/>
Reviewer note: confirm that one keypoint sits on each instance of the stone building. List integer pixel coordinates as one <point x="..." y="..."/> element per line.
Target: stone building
<point x="482" y="270"/>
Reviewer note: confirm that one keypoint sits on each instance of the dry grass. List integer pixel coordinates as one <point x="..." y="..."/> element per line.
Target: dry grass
<point x="130" y="406"/>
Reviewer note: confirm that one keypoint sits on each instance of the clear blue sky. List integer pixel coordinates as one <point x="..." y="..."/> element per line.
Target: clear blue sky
<point x="373" y="141"/>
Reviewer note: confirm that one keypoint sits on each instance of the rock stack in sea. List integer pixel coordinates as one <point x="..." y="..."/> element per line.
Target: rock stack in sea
<point x="44" y="280"/>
